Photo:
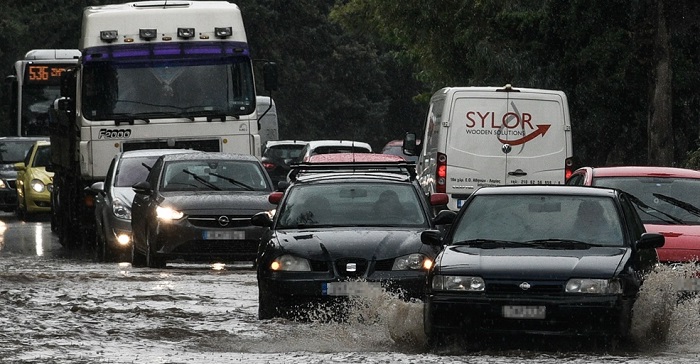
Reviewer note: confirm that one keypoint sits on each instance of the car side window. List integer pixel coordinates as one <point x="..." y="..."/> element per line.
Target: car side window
<point x="575" y="180"/>
<point x="632" y="219"/>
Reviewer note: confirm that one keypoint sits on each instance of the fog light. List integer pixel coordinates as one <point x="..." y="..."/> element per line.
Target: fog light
<point x="123" y="239"/>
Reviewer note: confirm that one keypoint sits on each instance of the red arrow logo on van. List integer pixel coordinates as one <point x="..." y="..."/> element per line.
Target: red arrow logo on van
<point x="541" y="130"/>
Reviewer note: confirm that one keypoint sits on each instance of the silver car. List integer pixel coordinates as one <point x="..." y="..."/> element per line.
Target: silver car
<point x="113" y="199"/>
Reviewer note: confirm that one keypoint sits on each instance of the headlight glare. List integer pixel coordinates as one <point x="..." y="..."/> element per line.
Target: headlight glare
<point x="290" y="263"/>
<point x="37" y="185"/>
<point x="410" y="262"/>
<point x="3" y="184"/>
<point x="593" y="286"/>
<point x="458" y="283"/>
<point x="120" y="209"/>
<point x="168" y="214"/>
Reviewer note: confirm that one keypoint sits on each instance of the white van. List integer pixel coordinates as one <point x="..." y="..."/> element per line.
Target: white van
<point x="487" y="136"/>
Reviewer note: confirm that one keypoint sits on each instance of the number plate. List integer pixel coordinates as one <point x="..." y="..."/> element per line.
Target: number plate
<point x="524" y="312"/>
<point x="350" y="288"/>
<point x="223" y="235"/>
<point x="460" y="203"/>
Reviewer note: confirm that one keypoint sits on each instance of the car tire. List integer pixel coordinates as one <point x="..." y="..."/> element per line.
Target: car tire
<point x="268" y="304"/>
<point x="99" y="247"/>
<point x="137" y="259"/>
<point x="152" y="261"/>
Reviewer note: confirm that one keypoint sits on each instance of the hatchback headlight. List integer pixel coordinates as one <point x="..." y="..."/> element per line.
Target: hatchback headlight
<point x="414" y="261"/>
<point x="458" y="283"/>
<point x="168" y="214"/>
<point x="37" y="185"/>
<point x="120" y="209"/>
<point x="593" y="286"/>
<point x="290" y="263"/>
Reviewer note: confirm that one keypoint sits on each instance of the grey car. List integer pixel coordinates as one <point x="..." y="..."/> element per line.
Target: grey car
<point x="113" y="199"/>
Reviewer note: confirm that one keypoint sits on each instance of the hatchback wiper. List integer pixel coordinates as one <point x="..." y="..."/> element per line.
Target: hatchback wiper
<point x="202" y="180"/>
<point x="490" y="243"/>
<point x="562" y="244"/>
<point x="676" y="202"/>
<point x="233" y="181"/>
<point x="642" y="206"/>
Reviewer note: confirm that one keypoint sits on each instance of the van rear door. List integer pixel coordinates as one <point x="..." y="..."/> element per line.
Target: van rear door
<point x="498" y="137"/>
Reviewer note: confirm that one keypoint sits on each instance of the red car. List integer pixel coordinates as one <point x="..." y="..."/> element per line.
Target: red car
<point x="668" y="203"/>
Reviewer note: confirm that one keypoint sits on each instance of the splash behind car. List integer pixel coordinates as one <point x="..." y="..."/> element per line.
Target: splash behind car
<point x="34" y="183"/>
<point x="340" y="229"/>
<point x="12" y="150"/>
<point x="197" y="207"/>
<point x="669" y="203"/>
<point x="507" y="269"/>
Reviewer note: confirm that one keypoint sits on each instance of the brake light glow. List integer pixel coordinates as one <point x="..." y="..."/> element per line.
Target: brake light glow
<point x="568" y="168"/>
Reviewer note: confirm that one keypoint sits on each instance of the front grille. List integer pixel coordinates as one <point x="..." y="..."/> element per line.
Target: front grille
<point x="536" y="287"/>
<point x="342" y="266"/>
<point x="208" y="145"/>
<point x="212" y="221"/>
<point x="12" y="184"/>
<point x="218" y="248"/>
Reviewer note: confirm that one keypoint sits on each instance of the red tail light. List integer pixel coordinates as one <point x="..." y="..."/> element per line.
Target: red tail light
<point x="268" y="165"/>
<point x="89" y="201"/>
<point x="441" y="174"/>
<point x="568" y="168"/>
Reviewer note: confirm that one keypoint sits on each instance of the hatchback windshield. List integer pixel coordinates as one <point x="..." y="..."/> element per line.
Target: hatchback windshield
<point x="664" y="200"/>
<point x="534" y="219"/>
<point x="352" y="204"/>
<point x="214" y="175"/>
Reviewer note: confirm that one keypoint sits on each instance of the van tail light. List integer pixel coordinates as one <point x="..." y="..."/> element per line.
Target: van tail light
<point x="441" y="174"/>
<point x="568" y="168"/>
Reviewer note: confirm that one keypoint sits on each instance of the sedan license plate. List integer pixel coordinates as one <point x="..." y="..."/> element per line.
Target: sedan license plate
<point x="223" y="235"/>
<point x="524" y="312"/>
<point x="350" y="288"/>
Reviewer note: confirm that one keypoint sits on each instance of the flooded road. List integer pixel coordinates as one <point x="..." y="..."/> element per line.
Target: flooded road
<point x="60" y="307"/>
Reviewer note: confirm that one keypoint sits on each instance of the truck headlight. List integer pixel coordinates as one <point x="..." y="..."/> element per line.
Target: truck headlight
<point x="168" y="214"/>
<point x="458" y="283"/>
<point x="290" y="263"/>
<point x="37" y="185"/>
<point x="120" y="209"/>
<point x="414" y="261"/>
<point x="593" y="286"/>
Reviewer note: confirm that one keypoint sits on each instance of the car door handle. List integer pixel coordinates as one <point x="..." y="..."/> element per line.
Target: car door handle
<point x="517" y="172"/>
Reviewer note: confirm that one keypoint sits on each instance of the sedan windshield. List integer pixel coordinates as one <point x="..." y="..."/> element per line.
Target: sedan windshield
<point x="664" y="200"/>
<point x="133" y="170"/>
<point x="541" y="221"/>
<point x="352" y="204"/>
<point x="214" y="175"/>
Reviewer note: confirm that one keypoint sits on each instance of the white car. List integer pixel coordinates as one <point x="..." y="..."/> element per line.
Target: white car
<point x="333" y="146"/>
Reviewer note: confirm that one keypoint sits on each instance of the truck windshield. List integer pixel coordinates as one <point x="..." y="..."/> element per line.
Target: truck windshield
<point x="131" y="89"/>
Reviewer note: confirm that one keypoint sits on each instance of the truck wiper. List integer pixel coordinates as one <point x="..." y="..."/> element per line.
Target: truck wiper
<point x="562" y="244"/>
<point x="491" y="244"/>
<point x="202" y="180"/>
<point x="676" y="202"/>
<point x="233" y="181"/>
<point x="642" y="206"/>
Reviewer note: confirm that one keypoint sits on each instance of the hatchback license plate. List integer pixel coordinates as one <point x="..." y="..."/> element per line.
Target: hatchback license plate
<point x="350" y="288"/>
<point x="524" y="312"/>
<point x="223" y="235"/>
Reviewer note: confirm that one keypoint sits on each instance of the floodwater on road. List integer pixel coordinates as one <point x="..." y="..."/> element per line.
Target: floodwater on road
<point x="60" y="307"/>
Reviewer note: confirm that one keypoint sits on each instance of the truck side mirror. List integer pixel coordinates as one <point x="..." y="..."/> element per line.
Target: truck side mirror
<point x="270" y="76"/>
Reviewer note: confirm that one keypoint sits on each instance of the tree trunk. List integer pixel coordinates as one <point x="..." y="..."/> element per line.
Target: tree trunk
<point x="660" y="126"/>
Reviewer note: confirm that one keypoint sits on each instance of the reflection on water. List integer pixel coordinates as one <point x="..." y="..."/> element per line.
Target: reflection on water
<point x="3" y="227"/>
<point x="39" y="239"/>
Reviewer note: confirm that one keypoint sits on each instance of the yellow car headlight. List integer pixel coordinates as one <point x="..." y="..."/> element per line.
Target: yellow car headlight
<point x="37" y="185"/>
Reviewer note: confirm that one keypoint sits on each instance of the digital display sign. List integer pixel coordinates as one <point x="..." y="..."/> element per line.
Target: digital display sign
<point x="44" y="74"/>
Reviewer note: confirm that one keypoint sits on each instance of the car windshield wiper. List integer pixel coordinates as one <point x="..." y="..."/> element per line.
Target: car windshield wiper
<point x="676" y="202"/>
<point x="642" y="206"/>
<point x="490" y="243"/>
<point x="233" y="181"/>
<point x="202" y="180"/>
<point x="562" y="244"/>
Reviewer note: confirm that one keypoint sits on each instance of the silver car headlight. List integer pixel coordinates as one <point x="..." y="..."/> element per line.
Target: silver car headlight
<point x="290" y="263"/>
<point x="37" y="185"/>
<point x="168" y="214"/>
<point x="414" y="261"/>
<point x="458" y="283"/>
<point x="593" y="286"/>
<point x="121" y="209"/>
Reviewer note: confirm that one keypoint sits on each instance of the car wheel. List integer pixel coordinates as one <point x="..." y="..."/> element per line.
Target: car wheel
<point x="99" y="247"/>
<point x="22" y="210"/>
<point x="268" y="304"/>
<point x="152" y="261"/>
<point x="137" y="259"/>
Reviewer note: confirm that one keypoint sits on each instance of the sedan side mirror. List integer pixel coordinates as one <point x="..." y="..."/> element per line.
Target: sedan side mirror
<point x="431" y="237"/>
<point x="142" y="188"/>
<point x="261" y="219"/>
<point x="445" y="217"/>
<point x="651" y="241"/>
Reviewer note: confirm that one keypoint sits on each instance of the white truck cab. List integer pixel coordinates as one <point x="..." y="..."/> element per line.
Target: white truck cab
<point x="488" y="136"/>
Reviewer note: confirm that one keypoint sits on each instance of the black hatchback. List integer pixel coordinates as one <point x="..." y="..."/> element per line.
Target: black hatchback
<point x="342" y="230"/>
<point x="549" y="260"/>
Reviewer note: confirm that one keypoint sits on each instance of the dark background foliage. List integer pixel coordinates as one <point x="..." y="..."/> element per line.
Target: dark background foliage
<point x="364" y="69"/>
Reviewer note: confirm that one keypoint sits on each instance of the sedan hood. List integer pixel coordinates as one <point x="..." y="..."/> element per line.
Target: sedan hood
<point x="366" y="243"/>
<point x="125" y="194"/>
<point x="682" y="242"/>
<point x="205" y="202"/>
<point x="532" y="263"/>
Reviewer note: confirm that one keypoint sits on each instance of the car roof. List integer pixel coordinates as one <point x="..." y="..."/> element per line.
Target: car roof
<point x="645" y="171"/>
<point x="274" y="143"/>
<point x="343" y="143"/>
<point x="354" y="157"/>
<point x="208" y="156"/>
<point x="152" y="152"/>
<point x="548" y="190"/>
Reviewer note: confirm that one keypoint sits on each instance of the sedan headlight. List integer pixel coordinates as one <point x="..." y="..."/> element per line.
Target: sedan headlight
<point x="168" y="214"/>
<point x="121" y="210"/>
<point x="290" y="263"/>
<point x="37" y="185"/>
<point x="412" y="262"/>
<point x="593" y="286"/>
<point x="458" y="283"/>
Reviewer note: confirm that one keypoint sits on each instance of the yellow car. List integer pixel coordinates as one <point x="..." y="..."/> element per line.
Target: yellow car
<point x="34" y="183"/>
